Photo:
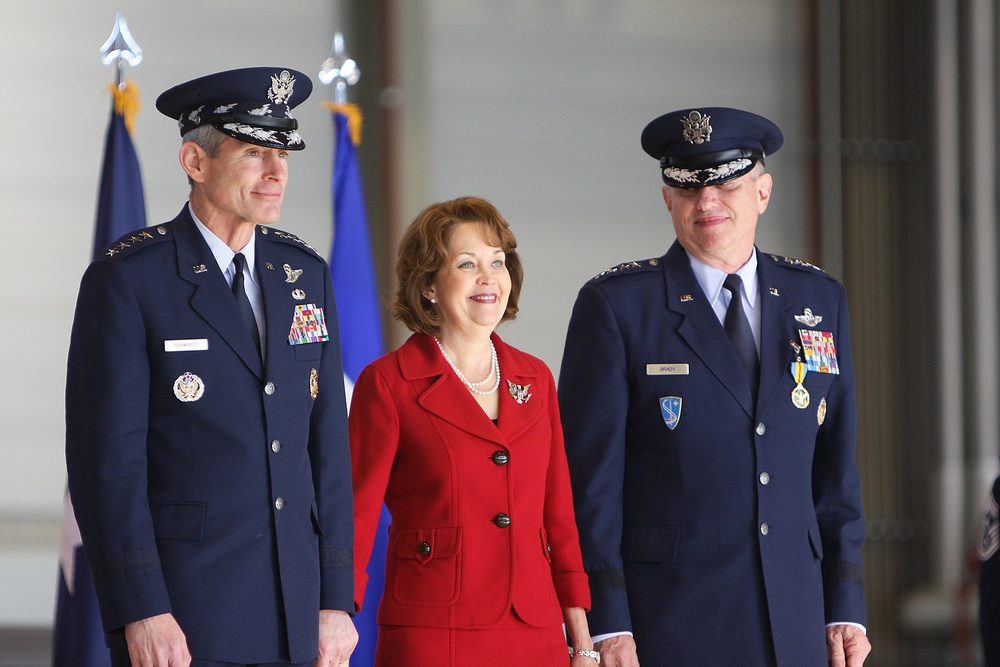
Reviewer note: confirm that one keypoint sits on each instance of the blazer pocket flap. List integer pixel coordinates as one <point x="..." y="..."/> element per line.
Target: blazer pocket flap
<point x="651" y="544"/>
<point x="426" y="544"/>
<point x="178" y="521"/>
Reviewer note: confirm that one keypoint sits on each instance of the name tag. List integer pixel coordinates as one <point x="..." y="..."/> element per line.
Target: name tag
<point x="185" y="345"/>
<point x="666" y="369"/>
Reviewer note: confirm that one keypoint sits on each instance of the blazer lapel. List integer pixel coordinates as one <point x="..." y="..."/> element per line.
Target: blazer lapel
<point x="519" y="409"/>
<point x="212" y="299"/>
<point x="446" y="397"/>
<point x="700" y="327"/>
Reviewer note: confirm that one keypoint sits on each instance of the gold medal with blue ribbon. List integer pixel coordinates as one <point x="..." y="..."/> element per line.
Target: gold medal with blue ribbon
<point x="800" y="395"/>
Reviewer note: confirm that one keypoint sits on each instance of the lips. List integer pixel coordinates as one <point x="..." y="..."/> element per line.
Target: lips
<point x="484" y="298"/>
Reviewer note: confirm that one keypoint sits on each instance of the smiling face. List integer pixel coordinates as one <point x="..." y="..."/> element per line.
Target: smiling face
<point x="243" y="184"/>
<point x="472" y="288"/>
<point x="717" y="224"/>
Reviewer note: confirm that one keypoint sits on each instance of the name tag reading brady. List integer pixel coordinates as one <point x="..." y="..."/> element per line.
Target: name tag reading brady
<point x="185" y="345"/>
<point x="666" y="369"/>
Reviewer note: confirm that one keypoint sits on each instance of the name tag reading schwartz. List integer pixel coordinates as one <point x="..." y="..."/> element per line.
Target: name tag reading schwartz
<point x="666" y="369"/>
<point x="186" y="345"/>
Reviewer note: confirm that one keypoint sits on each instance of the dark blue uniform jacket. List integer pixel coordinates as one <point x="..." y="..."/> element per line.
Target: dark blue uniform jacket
<point x="719" y="531"/>
<point x="206" y="483"/>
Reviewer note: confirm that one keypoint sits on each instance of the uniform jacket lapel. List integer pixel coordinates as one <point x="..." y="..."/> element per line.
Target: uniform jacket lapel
<point x="212" y="298"/>
<point x="700" y="327"/>
<point x="777" y="330"/>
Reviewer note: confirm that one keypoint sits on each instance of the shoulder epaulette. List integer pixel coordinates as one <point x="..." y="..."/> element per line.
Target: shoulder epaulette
<point x="628" y="267"/>
<point x="288" y="238"/>
<point x="797" y="263"/>
<point x="126" y="244"/>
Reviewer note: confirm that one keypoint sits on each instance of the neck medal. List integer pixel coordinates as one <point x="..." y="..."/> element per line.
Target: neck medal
<point x="800" y="395"/>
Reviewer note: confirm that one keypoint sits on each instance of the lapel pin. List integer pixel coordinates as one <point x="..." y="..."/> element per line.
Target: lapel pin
<point x="200" y="268"/>
<point x="686" y="297"/>
<point x="774" y="291"/>
<point x="519" y="392"/>
<point x="298" y="294"/>
<point x="270" y="267"/>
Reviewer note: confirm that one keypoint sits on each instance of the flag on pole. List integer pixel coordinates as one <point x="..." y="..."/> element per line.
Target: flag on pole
<point x="77" y="636"/>
<point x="353" y="278"/>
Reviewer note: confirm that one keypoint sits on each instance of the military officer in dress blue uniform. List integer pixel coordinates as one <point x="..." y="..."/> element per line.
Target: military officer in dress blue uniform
<point x="708" y="403"/>
<point x="206" y="421"/>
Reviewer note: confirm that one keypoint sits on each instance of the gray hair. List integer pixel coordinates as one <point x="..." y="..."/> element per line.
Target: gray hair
<point x="207" y="137"/>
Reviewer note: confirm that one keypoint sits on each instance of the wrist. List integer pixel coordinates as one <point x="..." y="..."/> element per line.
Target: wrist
<point x="585" y="653"/>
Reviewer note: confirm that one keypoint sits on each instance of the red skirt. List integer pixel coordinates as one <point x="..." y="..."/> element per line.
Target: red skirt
<point x="509" y="643"/>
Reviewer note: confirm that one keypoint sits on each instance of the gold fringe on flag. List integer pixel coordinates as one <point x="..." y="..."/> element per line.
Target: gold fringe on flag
<point x="126" y="102"/>
<point x="354" y="118"/>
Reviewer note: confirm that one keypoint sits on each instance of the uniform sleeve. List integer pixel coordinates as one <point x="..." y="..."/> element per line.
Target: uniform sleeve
<point x="374" y="425"/>
<point x="107" y="403"/>
<point x="329" y="451"/>
<point x="837" y="490"/>
<point x="560" y="524"/>
<point x="593" y="399"/>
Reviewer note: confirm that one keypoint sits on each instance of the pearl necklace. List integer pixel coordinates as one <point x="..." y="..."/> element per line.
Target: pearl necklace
<point x="474" y="386"/>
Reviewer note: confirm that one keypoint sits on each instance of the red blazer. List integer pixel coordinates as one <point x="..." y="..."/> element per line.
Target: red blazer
<point x="421" y="443"/>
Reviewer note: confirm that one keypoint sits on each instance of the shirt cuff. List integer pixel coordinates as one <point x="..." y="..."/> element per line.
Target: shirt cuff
<point x="609" y="635"/>
<point x="857" y="625"/>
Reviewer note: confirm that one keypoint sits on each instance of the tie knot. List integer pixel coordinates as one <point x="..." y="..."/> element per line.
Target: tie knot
<point x="241" y="262"/>
<point x="733" y="283"/>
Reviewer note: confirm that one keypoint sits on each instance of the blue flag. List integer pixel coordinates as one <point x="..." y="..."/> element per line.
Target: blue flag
<point x="77" y="636"/>
<point x="353" y="278"/>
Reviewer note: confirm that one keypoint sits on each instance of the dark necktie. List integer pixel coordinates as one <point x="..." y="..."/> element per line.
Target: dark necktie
<point x="240" y="294"/>
<point x="739" y="332"/>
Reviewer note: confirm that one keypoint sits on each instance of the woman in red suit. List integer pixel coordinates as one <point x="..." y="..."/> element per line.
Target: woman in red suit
<point x="459" y="434"/>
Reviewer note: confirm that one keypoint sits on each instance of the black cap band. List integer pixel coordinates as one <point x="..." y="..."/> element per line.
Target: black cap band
<point x="710" y="159"/>
<point x="270" y="122"/>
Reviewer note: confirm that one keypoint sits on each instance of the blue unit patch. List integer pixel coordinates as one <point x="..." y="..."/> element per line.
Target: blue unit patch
<point x="670" y="406"/>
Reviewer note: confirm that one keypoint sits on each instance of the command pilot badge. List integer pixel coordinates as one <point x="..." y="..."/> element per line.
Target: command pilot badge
<point x="670" y="407"/>
<point x="188" y="387"/>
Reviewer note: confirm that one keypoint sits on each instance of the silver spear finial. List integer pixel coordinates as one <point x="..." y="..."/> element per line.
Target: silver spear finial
<point x="121" y="48"/>
<point x="339" y="69"/>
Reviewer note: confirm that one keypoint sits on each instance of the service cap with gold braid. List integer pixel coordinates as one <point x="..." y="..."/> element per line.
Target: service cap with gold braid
<point x="252" y="104"/>
<point x="703" y="146"/>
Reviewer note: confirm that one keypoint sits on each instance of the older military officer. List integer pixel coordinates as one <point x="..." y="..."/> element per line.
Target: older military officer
<point x="206" y="425"/>
<point x="708" y="404"/>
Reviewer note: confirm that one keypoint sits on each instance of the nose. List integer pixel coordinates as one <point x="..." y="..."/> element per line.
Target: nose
<point x="488" y="274"/>
<point x="275" y="166"/>
<point x="707" y="196"/>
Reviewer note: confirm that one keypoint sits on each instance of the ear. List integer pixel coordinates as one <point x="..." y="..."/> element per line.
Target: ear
<point x="193" y="159"/>
<point x="764" y="184"/>
<point x="667" y="199"/>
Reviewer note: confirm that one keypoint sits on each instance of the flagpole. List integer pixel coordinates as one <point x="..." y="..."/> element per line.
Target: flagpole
<point x="353" y="276"/>
<point x="77" y="634"/>
<point x="121" y="49"/>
